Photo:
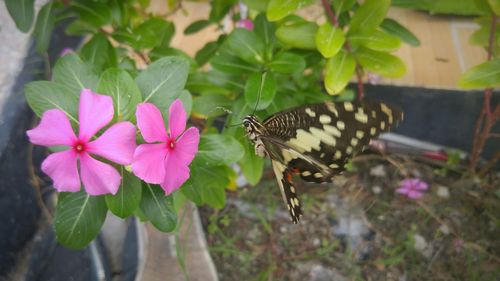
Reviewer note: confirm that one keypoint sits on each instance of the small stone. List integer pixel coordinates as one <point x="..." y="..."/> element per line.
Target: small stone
<point x="378" y="171"/>
<point x="283" y="229"/>
<point x="381" y="217"/>
<point x="316" y="242"/>
<point x="376" y="189"/>
<point x="444" y="229"/>
<point x="420" y="243"/>
<point x="443" y="192"/>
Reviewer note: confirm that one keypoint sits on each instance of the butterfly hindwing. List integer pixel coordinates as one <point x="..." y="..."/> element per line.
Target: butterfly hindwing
<point x="284" y="178"/>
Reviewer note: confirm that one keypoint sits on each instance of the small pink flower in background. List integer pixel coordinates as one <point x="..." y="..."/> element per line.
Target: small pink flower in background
<point x="165" y="159"/>
<point x="373" y="78"/>
<point x="245" y="23"/>
<point x="412" y="188"/>
<point x="66" y="51"/>
<point x="116" y="144"/>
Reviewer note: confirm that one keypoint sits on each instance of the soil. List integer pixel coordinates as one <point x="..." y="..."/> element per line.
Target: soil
<point x="359" y="228"/>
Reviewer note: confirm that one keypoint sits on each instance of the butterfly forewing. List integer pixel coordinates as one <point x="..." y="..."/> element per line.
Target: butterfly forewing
<point x="317" y="140"/>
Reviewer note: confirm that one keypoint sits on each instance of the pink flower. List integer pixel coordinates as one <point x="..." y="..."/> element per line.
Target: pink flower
<point x="245" y="23"/>
<point x="116" y="144"/>
<point x="66" y="51"/>
<point x="166" y="158"/>
<point x="412" y="188"/>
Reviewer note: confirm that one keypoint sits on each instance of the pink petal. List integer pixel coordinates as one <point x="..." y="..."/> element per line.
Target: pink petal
<point x="175" y="175"/>
<point x="414" y="194"/>
<point x="149" y="162"/>
<point x="54" y="129"/>
<point x="95" y="112"/>
<point x="176" y="119"/>
<point x="421" y="185"/>
<point x="187" y="146"/>
<point x="61" y="168"/>
<point x="98" y="178"/>
<point x="150" y="122"/>
<point x="116" y="144"/>
<point x="403" y="190"/>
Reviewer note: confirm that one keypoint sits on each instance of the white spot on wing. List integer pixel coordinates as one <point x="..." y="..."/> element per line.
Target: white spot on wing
<point x="323" y="136"/>
<point x="325" y="119"/>
<point x="348" y="106"/>
<point x="340" y="125"/>
<point x="332" y="130"/>
<point x="310" y="112"/>
<point x="361" y="116"/>
<point x="304" y="141"/>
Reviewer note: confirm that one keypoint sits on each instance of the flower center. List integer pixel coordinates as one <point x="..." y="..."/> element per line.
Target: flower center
<point x="171" y="144"/>
<point x="79" y="146"/>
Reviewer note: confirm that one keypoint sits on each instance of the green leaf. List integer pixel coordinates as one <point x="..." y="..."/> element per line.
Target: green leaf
<point x="158" y="208"/>
<point x="251" y="165"/>
<point x="72" y="72"/>
<point x="278" y="9"/>
<point x="258" y="5"/>
<point x="381" y="63"/>
<point x="210" y="105"/>
<point x="99" y="52"/>
<point x="216" y="149"/>
<point x="153" y="32"/>
<point x="127" y="199"/>
<point x="375" y="40"/>
<point x="94" y="13"/>
<point x="162" y="82"/>
<point x="339" y="71"/>
<point x="219" y="9"/>
<point x="396" y="29"/>
<point x="44" y="95"/>
<point x="264" y="29"/>
<point x="369" y="15"/>
<point x="246" y="45"/>
<point x="260" y="88"/>
<point x="495" y="6"/>
<point x="79" y="27"/>
<point x="119" y="85"/>
<point x="206" y="53"/>
<point x="192" y="193"/>
<point x="228" y="63"/>
<point x="341" y="6"/>
<point x="329" y="40"/>
<point x="196" y="26"/>
<point x="22" y="12"/>
<point x="43" y="28"/>
<point x="79" y="218"/>
<point x="288" y="63"/>
<point x="210" y="181"/>
<point x="299" y="35"/>
<point x="485" y="75"/>
<point x="187" y="101"/>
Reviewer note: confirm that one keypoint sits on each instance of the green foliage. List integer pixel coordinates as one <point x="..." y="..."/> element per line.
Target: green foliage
<point x="45" y="22"/>
<point x="462" y="7"/>
<point x="79" y="218"/>
<point x="158" y="208"/>
<point x="22" y="12"/>
<point x="126" y="201"/>
<point x="260" y="89"/>
<point x="339" y="71"/>
<point x="329" y="40"/>
<point x="485" y="75"/>
<point x="118" y="84"/>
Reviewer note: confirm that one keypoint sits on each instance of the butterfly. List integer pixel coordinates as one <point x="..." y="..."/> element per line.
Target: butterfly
<point x="316" y="141"/>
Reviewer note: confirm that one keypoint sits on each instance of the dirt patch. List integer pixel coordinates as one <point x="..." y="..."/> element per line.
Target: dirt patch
<point x="359" y="228"/>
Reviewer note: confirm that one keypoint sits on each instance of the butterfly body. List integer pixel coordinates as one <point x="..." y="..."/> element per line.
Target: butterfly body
<point x="316" y="141"/>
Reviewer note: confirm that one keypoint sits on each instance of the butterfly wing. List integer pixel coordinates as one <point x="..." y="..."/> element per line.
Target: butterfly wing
<point x="317" y="140"/>
<point x="284" y="178"/>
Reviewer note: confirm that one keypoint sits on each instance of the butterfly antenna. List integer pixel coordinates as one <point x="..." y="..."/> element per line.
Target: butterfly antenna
<point x="259" y="94"/>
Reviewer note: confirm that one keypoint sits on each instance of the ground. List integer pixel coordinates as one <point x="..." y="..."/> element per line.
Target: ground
<point x="359" y="228"/>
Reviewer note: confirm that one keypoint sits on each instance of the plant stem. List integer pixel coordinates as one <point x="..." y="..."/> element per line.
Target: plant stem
<point x="359" y="69"/>
<point x="486" y="117"/>
<point x="329" y="12"/>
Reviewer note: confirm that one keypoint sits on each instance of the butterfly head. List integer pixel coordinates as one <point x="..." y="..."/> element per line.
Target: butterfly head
<point x="252" y="127"/>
